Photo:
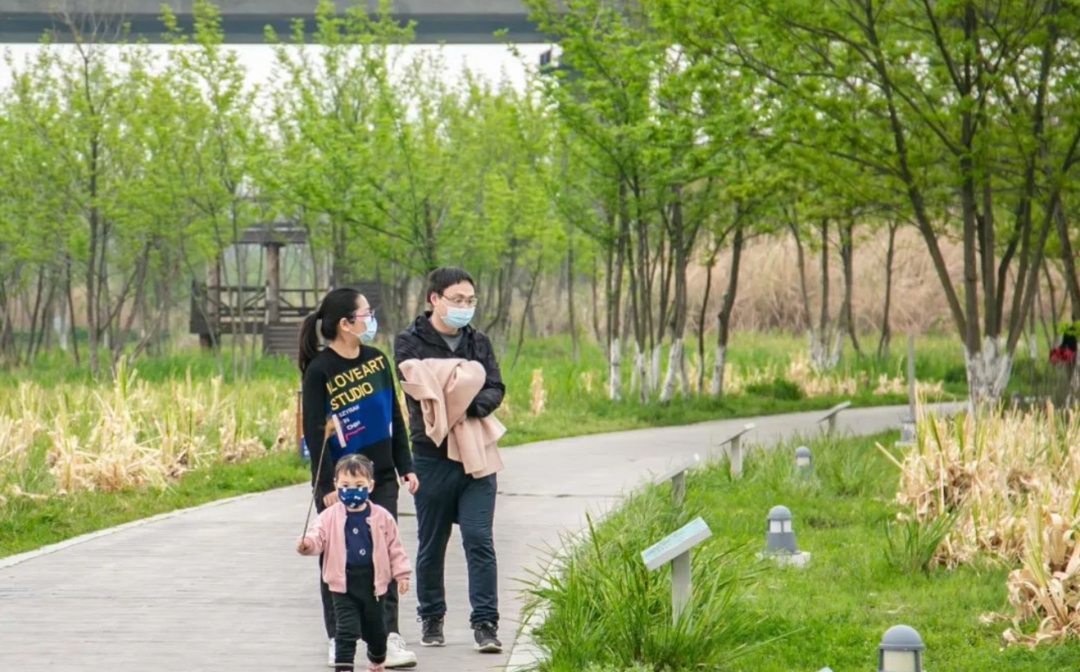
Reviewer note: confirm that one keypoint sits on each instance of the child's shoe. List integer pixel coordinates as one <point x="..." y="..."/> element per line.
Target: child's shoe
<point x="375" y="667"/>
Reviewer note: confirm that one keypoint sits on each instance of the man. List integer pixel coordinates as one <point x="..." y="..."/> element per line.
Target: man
<point x="448" y="494"/>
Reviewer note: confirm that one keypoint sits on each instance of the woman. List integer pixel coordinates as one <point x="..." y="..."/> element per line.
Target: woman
<point x="352" y="384"/>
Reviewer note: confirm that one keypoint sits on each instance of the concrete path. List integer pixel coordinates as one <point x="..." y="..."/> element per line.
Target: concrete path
<point x="221" y="588"/>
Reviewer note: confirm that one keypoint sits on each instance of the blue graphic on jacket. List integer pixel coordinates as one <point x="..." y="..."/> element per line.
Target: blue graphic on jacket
<point x="361" y="423"/>
<point x="353" y="497"/>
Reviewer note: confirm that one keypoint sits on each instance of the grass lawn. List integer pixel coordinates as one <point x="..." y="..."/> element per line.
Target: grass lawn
<point x="576" y="404"/>
<point x="831" y="614"/>
<point x="26" y="524"/>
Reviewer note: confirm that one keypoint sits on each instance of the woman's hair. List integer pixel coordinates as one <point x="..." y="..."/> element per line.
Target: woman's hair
<point x="338" y="303"/>
<point x="355" y="465"/>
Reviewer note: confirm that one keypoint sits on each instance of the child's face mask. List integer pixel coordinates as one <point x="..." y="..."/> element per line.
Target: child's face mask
<point x="353" y="497"/>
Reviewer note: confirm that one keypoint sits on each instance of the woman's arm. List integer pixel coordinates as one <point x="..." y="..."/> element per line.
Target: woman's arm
<point x="314" y="403"/>
<point x="402" y="455"/>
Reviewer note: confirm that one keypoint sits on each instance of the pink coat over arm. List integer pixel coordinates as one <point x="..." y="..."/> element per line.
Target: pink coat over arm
<point x="445" y="388"/>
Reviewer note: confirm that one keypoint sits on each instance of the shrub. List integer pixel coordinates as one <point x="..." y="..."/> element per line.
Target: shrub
<point x="777" y="388"/>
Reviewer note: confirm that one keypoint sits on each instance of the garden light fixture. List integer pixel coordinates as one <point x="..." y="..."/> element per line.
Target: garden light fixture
<point x="780" y="540"/>
<point x="804" y="460"/>
<point x="780" y="537"/>
<point x="900" y="650"/>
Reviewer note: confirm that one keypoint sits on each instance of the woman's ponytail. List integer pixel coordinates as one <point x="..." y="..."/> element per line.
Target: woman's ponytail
<point x="337" y="304"/>
<point x="309" y="340"/>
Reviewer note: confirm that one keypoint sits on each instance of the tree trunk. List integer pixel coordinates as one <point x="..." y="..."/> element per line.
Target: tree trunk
<point x="847" y="253"/>
<point x="71" y="311"/>
<point x="92" y="327"/>
<point x="701" y="318"/>
<point x="1068" y="263"/>
<point x="570" y="295"/>
<point x="886" y="328"/>
<point x="800" y="258"/>
<point x="596" y="302"/>
<point x="822" y="356"/>
<point x="723" y="318"/>
<point x="680" y="261"/>
<point x="988" y="370"/>
<point x="525" y="313"/>
<point x="614" y="306"/>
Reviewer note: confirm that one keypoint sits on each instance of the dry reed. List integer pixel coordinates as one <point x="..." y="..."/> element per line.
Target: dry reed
<point x="538" y="394"/>
<point x="1012" y="479"/>
<point x="133" y="433"/>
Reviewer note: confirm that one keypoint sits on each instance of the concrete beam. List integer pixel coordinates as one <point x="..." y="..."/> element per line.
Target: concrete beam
<point x="449" y="21"/>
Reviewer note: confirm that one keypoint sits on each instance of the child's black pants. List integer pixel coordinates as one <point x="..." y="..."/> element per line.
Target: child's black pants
<point x="359" y="615"/>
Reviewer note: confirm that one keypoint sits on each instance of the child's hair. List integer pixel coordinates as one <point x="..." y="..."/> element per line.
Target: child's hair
<point x="355" y="465"/>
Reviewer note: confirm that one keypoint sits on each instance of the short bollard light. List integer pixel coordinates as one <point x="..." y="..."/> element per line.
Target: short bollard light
<point x="780" y="538"/>
<point x="780" y="544"/>
<point x="804" y="460"/>
<point x="900" y="650"/>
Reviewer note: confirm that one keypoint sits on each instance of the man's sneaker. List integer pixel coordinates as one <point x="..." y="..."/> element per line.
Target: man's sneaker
<point x="397" y="656"/>
<point x="331" y="655"/>
<point x="486" y="639"/>
<point x="433" y="632"/>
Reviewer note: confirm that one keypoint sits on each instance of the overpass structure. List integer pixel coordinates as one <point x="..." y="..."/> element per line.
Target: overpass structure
<point x="446" y="21"/>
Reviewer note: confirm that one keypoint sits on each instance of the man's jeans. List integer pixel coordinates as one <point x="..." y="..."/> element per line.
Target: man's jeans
<point x="448" y="495"/>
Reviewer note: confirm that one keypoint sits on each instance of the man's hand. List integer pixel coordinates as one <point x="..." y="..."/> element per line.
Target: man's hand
<point x="303" y="545"/>
<point x="411" y="482"/>
<point x="330" y="499"/>
<point x="403" y="586"/>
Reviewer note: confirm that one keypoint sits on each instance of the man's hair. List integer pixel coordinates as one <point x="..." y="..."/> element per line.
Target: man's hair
<point x="355" y="465"/>
<point x="446" y="276"/>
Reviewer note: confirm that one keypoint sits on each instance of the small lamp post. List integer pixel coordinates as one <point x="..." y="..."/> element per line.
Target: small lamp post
<point x="900" y="650"/>
<point x="780" y="538"/>
<point x="804" y="460"/>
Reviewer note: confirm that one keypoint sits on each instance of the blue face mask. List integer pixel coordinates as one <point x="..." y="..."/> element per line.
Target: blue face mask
<point x="372" y="329"/>
<point x="353" y="497"/>
<point x="457" y="318"/>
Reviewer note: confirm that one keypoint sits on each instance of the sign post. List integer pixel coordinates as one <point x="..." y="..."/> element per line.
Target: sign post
<point x="735" y="453"/>
<point x="831" y="414"/>
<point x="675" y="548"/>
<point x="677" y="476"/>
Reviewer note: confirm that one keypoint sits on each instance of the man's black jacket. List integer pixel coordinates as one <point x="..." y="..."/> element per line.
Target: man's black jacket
<point x="421" y="340"/>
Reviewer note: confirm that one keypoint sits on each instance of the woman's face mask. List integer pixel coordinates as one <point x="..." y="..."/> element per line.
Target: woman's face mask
<point x="371" y="326"/>
<point x="372" y="329"/>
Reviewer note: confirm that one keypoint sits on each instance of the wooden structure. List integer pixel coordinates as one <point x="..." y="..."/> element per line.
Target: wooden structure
<point x="271" y="310"/>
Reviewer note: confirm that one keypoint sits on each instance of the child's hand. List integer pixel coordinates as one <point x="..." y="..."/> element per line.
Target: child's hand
<point x="303" y="545"/>
<point x="403" y="586"/>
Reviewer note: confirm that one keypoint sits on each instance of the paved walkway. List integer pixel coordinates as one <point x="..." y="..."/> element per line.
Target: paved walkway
<point x="221" y="588"/>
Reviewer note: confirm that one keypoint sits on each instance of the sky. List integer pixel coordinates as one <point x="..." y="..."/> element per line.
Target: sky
<point x="493" y="61"/>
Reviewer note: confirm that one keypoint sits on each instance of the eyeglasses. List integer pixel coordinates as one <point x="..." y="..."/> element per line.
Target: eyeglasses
<point x="362" y="316"/>
<point x="461" y="301"/>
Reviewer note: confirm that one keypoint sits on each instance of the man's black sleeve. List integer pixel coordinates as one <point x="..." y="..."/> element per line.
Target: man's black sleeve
<point x="491" y="395"/>
<point x="313" y="408"/>
<point x="403" y="350"/>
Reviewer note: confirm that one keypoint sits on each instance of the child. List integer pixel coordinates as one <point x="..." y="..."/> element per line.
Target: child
<point x="363" y="555"/>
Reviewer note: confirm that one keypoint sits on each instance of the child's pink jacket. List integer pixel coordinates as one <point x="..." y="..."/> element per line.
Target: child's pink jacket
<point x="327" y="533"/>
